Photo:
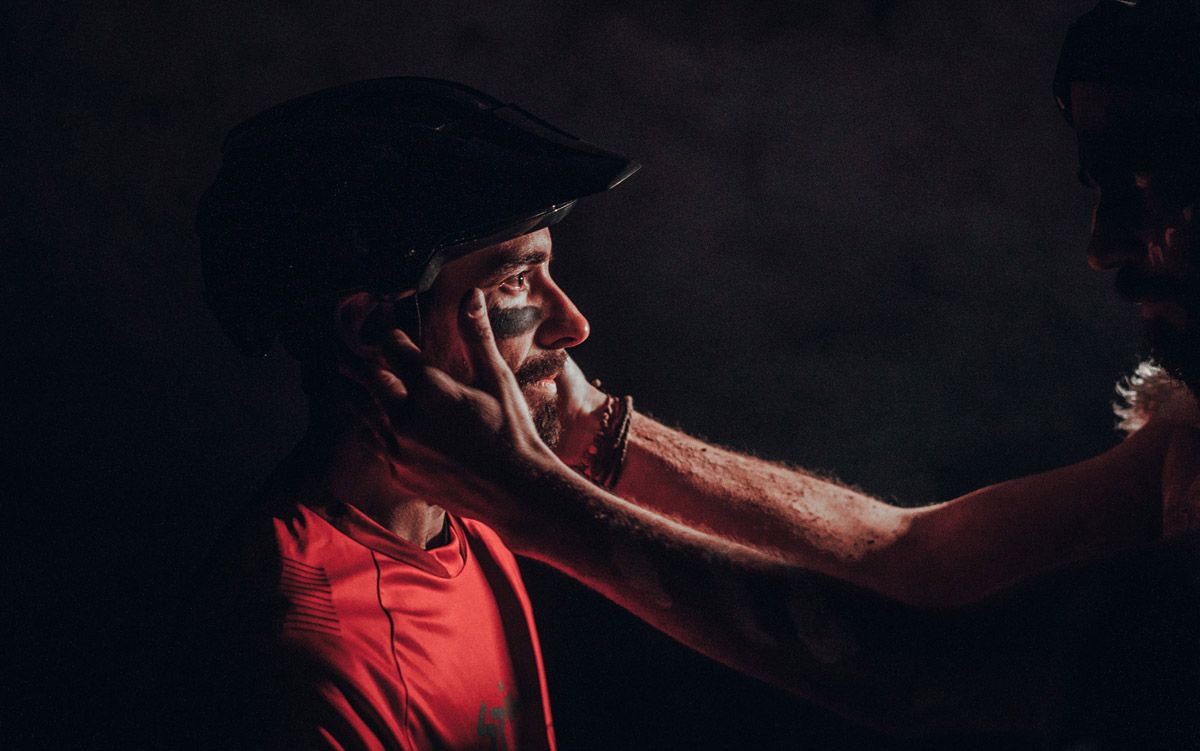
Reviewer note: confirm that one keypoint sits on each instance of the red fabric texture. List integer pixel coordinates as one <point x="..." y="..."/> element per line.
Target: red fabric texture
<point x="380" y="644"/>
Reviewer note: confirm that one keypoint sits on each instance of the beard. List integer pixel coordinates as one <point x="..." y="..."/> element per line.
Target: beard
<point x="1176" y="349"/>
<point x="543" y="406"/>
<point x="1174" y="345"/>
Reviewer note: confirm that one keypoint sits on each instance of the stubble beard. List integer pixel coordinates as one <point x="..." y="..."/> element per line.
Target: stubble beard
<point x="543" y="405"/>
<point x="544" y="410"/>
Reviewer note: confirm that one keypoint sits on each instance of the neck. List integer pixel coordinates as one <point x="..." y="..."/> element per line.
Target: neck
<point x="348" y="463"/>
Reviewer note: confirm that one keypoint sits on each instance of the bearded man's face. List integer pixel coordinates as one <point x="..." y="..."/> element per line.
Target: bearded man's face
<point x="1169" y="304"/>
<point x="1141" y="154"/>
<point x="533" y="320"/>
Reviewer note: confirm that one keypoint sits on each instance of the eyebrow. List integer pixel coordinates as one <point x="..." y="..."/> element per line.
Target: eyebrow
<point x="506" y="262"/>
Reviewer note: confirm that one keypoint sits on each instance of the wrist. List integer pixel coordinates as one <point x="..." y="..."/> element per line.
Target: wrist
<point x="604" y="458"/>
<point x="580" y="424"/>
<point x="534" y="495"/>
<point x="556" y="502"/>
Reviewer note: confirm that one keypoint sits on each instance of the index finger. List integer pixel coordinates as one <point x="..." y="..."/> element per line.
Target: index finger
<point x="491" y="371"/>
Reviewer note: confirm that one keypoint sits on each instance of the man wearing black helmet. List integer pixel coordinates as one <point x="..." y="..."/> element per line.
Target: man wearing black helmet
<point x="350" y="610"/>
<point x="1049" y="603"/>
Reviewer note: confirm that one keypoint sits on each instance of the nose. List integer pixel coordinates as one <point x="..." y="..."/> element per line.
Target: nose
<point x="1117" y="229"/>
<point x="564" y="326"/>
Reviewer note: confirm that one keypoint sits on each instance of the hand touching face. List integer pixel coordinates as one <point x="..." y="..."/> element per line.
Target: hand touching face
<point x="533" y="322"/>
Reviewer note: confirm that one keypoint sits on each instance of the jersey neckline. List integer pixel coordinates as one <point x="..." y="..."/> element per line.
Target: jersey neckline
<point x="445" y="561"/>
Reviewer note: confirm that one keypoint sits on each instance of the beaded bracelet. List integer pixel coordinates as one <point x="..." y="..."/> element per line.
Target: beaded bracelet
<point x="590" y="454"/>
<point x="619" y="443"/>
<point x="605" y="457"/>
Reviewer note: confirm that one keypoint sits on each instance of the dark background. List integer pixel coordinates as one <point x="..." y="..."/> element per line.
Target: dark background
<point x="856" y="245"/>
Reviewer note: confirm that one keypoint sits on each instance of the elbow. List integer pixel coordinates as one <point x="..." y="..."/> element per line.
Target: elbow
<point x="912" y="570"/>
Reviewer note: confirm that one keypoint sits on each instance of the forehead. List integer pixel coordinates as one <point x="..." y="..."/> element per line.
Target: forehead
<point x="480" y="266"/>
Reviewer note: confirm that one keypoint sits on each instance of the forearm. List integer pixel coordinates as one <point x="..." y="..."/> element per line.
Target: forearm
<point x="810" y="521"/>
<point x="948" y="554"/>
<point x="891" y="665"/>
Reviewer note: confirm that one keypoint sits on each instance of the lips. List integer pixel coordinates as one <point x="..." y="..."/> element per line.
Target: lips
<point x="541" y="368"/>
<point x="548" y="385"/>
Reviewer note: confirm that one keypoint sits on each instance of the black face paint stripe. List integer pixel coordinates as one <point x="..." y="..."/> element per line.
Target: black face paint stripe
<point x="510" y="322"/>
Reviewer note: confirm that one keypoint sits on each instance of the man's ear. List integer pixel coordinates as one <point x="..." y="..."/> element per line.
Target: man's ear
<point x="361" y="320"/>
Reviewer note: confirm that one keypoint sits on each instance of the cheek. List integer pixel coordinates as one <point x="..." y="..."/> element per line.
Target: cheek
<point x="450" y="355"/>
<point x="514" y="351"/>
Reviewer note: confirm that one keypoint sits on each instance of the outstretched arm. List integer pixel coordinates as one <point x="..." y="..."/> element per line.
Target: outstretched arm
<point x="946" y="554"/>
<point x="1011" y="663"/>
<point x="998" y="664"/>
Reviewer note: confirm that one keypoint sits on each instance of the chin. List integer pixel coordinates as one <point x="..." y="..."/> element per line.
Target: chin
<point x="543" y="407"/>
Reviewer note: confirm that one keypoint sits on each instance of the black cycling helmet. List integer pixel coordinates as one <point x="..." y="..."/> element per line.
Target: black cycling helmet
<point x="1153" y="45"/>
<point x="375" y="185"/>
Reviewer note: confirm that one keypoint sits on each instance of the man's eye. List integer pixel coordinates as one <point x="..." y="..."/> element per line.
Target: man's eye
<point x="517" y="282"/>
